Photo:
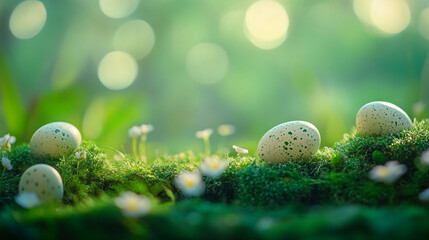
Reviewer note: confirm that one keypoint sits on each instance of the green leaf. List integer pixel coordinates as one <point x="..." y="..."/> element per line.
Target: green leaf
<point x="13" y="110"/>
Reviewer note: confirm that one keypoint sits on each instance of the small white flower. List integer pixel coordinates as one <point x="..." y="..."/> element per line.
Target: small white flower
<point x="134" y="132"/>
<point x="424" y="196"/>
<point x="146" y="128"/>
<point x="190" y="183"/>
<point x="425" y="158"/>
<point x="388" y="173"/>
<point x="240" y="150"/>
<point x="132" y="204"/>
<point x="226" y="130"/>
<point x="80" y="155"/>
<point x="6" y="141"/>
<point x="27" y="200"/>
<point x="213" y="166"/>
<point x="204" y="134"/>
<point x="6" y="163"/>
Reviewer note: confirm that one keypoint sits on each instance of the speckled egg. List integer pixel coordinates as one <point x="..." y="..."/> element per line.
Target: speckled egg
<point x="379" y="118"/>
<point x="44" y="181"/>
<point x="289" y="140"/>
<point x="55" y="140"/>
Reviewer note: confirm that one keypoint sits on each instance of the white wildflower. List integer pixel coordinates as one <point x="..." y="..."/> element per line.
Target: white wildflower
<point x="213" y="166"/>
<point x="146" y="128"/>
<point x="133" y="205"/>
<point x="240" y="150"/>
<point x="204" y="134"/>
<point x="6" y="163"/>
<point x="226" y="130"/>
<point x="425" y="158"/>
<point x="424" y="196"/>
<point x="190" y="183"/>
<point x="134" y="132"/>
<point x="80" y="155"/>
<point x="6" y="141"/>
<point x="27" y="200"/>
<point x="387" y="173"/>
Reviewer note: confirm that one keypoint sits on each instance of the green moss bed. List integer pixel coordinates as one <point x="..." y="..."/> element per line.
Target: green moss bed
<point x="327" y="197"/>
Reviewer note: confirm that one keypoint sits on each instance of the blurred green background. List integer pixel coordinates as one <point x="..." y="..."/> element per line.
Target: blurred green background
<point x="209" y="65"/>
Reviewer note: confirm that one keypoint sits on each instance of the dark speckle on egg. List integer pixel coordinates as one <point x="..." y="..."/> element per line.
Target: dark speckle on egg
<point x="55" y="140"/>
<point x="385" y="118"/>
<point x="290" y="140"/>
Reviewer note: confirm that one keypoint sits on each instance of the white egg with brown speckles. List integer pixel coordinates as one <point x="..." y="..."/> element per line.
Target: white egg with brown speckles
<point x="55" y="140"/>
<point x="44" y="181"/>
<point x="379" y="118"/>
<point x="289" y="140"/>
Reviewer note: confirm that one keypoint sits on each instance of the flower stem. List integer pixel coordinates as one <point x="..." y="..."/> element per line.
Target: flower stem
<point x="207" y="145"/>
<point x="136" y="154"/>
<point x="142" y="148"/>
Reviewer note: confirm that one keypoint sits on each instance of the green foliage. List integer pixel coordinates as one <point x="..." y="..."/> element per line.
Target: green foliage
<point x="333" y="176"/>
<point x="379" y="157"/>
<point x="336" y="175"/>
<point x="195" y="219"/>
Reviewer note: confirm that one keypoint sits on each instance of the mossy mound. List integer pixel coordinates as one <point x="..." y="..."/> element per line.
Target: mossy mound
<point x="249" y="189"/>
<point x="337" y="175"/>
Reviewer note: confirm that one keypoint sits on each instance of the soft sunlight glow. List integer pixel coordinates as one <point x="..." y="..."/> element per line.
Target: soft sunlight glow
<point x="362" y="9"/>
<point x="118" y="8"/>
<point x="135" y="37"/>
<point x="231" y="24"/>
<point x="424" y="23"/>
<point x="117" y="70"/>
<point x="390" y="16"/>
<point x="207" y="63"/>
<point x="27" y="19"/>
<point x="266" y="24"/>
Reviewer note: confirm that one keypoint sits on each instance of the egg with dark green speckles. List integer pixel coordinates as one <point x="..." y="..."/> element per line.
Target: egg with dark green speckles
<point x="44" y="181"/>
<point x="380" y="118"/>
<point x="289" y="140"/>
<point x="55" y="140"/>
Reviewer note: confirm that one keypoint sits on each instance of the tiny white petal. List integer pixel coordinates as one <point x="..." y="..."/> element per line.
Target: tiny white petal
<point x="226" y="129"/>
<point x="27" y="200"/>
<point x="213" y="166"/>
<point x="425" y="158"/>
<point x="204" y="134"/>
<point x="424" y="196"/>
<point x="134" y="132"/>
<point x="190" y="183"/>
<point x="6" y="163"/>
<point x="388" y="173"/>
<point x="146" y="128"/>
<point x="240" y="150"/>
<point x="132" y="204"/>
<point x="12" y="140"/>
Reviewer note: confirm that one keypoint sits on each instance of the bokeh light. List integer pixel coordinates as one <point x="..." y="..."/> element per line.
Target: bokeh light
<point x="117" y="70"/>
<point x="118" y="8"/>
<point x="27" y="19"/>
<point x="362" y="9"/>
<point x="424" y="23"/>
<point x="266" y="24"/>
<point x="135" y="37"/>
<point x="390" y="16"/>
<point x="231" y="24"/>
<point x="207" y="63"/>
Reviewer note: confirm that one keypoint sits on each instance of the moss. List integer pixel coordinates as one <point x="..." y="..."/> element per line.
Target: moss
<point x="195" y="219"/>
<point x="336" y="175"/>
